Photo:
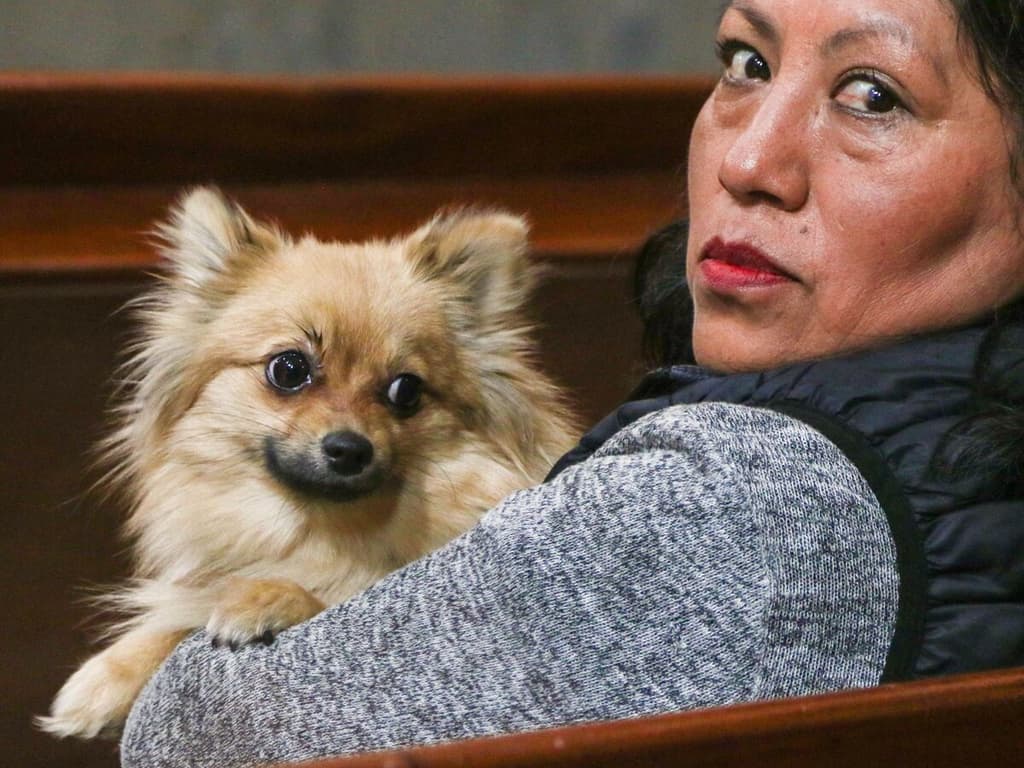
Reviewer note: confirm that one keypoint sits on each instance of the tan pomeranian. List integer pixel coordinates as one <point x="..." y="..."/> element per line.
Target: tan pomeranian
<point x="301" y="418"/>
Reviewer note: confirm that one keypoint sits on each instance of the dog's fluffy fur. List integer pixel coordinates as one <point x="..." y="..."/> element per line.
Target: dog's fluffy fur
<point x="243" y="520"/>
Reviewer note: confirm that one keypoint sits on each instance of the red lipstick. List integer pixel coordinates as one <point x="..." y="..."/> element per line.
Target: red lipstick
<point x="731" y="266"/>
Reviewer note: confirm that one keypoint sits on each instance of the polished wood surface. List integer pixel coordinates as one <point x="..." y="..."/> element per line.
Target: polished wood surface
<point x="180" y="129"/>
<point x="57" y="349"/>
<point x="948" y="723"/>
<point x="89" y="163"/>
<point x="95" y="233"/>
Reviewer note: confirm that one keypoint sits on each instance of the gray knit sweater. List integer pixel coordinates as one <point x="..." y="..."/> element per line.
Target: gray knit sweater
<point x="707" y="554"/>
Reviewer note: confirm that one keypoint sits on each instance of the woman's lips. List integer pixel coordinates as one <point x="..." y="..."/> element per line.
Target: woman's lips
<point x="729" y="266"/>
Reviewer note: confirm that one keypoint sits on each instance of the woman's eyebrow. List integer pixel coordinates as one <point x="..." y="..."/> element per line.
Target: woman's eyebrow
<point x="875" y="29"/>
<point x="872" y="28"/>
<point x="755" y="18"/>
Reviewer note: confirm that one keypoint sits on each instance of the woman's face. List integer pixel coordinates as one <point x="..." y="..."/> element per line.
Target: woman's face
<point x="849" y="183"/>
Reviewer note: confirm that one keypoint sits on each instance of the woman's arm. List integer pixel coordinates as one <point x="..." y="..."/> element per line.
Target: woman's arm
<point x="708" y="554"/>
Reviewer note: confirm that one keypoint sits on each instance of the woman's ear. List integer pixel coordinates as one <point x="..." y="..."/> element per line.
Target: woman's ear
<point x="209" y="238"/>
<point x="483" y="254"/>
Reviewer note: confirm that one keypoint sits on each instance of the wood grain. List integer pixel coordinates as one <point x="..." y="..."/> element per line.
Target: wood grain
<point x="99" y="233"/>
<point x="966" y="721"/>
<point x="129" y="129"/>
<point x="89" y="163"/>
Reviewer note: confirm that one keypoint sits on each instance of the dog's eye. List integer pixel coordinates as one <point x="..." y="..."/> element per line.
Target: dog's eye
<point x="404" y="392"/>
<point x="289" y="371"/>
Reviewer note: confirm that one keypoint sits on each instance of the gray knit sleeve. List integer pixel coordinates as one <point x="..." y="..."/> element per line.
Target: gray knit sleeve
<point x="708" y="554"/>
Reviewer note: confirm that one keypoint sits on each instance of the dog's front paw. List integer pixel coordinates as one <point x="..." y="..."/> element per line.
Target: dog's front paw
<point x="255" y="610"/>
<point x="95" y="701"/>
<point x="91" y="703"/>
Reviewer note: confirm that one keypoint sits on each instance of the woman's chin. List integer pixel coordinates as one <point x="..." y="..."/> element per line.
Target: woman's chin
<point x="736" y="348"/>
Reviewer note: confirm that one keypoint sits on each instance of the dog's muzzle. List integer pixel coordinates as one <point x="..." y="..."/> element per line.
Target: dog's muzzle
<point x="342" y="469"/>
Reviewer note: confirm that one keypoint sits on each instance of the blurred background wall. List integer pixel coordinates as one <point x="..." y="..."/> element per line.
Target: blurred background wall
<point x="360" y="36"/>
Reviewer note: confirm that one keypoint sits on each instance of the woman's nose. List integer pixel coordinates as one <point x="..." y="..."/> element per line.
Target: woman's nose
<point x="768" y="159"/>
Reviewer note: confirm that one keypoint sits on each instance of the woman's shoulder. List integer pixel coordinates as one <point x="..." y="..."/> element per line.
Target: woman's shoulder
<point x="745" y="437"/>
<point x="744" y="461"/>
<point x="813" y="516"/>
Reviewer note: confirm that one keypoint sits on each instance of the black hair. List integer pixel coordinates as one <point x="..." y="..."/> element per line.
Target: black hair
<point x="992" y="435"/>
<point x="662" y="297"/>
<point x="992" y="33"/>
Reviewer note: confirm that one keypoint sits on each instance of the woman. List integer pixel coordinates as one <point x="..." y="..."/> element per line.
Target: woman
<point x="799" y="514"/>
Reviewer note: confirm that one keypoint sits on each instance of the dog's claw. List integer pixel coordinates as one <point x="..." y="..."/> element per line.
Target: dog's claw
<point x="267" y="638"/>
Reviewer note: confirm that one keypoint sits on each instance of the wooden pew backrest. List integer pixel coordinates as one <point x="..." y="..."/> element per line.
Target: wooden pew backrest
<point x="88" y="163"/>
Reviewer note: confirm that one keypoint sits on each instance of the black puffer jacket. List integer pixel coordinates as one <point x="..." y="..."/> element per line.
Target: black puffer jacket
<point x="894" y="411"/>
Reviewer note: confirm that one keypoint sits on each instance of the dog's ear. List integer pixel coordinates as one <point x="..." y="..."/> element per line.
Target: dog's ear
<point x="483" y="254"/>
<point x="209" y="238"/>
<point x="209" y="242"/>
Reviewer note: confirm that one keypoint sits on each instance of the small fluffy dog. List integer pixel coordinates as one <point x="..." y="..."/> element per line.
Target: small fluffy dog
<point x="301" y="418"/>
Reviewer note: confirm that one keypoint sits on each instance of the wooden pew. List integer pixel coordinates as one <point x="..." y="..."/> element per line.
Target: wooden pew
<point x="973" y="720"/>
<point x="88" y="163"/>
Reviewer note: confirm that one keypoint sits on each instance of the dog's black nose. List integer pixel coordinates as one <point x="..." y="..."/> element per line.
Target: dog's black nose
<point x="348" y="453"/>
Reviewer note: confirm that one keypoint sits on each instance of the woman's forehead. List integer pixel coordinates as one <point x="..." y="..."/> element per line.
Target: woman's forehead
<point x="898" y="19"/>
<point x="925" y="28"/>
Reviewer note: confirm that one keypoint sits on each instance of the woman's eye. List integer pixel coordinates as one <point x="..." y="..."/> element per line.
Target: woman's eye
<point x="289" y="371"/>
<point x="863" y="95"/>
<point x="743" y="63"/>
<point x="404" y="391"/>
